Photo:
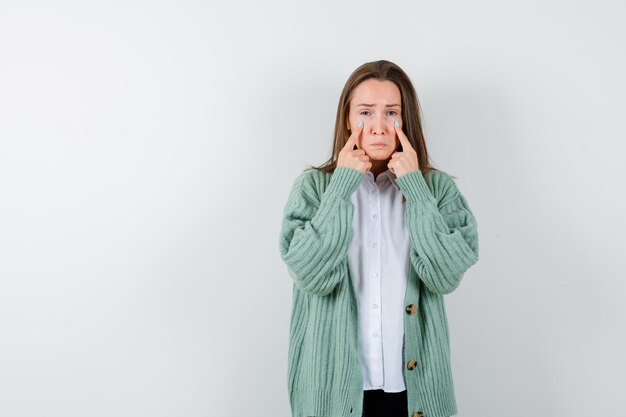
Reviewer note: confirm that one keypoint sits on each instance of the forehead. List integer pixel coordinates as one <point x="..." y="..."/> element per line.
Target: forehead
<point x="374" y="91"/>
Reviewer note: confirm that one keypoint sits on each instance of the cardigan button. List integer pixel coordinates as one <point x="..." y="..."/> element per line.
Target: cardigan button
<point x="410" y="365"/>
<point x="417" y="414"/>
<point x="411" y="309"/>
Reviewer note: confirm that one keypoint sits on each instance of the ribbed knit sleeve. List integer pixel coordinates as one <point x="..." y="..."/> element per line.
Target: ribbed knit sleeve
<point x="444" y="235"/>
<point x="316" y="232"/>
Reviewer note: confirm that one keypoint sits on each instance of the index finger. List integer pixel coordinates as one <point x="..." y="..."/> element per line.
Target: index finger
<point x="354" y="138"/>
<point x="404" y="141"/>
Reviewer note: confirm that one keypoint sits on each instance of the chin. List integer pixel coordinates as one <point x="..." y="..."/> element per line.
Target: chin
<point x="379" y="154"/>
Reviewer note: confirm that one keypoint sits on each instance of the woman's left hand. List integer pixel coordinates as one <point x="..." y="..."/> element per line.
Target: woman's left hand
<point x="406" y="161"/>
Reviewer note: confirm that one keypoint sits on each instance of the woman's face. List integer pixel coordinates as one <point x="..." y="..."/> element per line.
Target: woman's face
<point x="378" y="104"/>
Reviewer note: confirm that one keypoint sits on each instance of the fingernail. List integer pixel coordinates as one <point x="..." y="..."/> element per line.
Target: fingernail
<point x="360" y="123"/>
<point x="397" y="123"/>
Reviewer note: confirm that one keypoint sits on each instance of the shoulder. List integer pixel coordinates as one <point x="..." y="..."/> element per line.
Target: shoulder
<point x="308" y="184"/>
<point x="312" y="175"/>
<point x="312" y="178"/>
<point x="443" y="186"/>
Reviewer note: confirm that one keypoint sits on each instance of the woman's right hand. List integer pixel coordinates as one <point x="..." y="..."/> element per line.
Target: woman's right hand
<point x="354" y="158"/>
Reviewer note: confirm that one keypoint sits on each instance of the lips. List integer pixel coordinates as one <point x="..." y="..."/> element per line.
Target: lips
<point x="378" y="145"/>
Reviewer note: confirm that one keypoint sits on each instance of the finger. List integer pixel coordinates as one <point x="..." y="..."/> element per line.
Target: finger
<point x="350" y="142"/>
<point x="404" y="141"/>
<point x="358" y="132"/>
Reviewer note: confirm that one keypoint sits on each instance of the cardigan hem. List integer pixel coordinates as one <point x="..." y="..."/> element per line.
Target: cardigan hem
<point x="345" y="402"/>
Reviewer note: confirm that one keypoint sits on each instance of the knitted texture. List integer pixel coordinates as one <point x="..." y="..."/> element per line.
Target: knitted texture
<point x="324" y="373"/>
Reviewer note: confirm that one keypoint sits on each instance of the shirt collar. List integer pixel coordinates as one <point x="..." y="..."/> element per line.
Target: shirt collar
<point x="388" y="173"/>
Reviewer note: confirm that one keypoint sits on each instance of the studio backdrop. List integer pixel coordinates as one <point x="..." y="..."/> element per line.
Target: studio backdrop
<point x="147" y="150"/>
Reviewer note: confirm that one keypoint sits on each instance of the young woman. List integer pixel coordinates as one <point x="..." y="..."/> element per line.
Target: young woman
<point x="373" y="239"/>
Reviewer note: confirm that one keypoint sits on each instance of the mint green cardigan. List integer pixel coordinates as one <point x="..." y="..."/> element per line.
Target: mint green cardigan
<point x="324" y="374"/>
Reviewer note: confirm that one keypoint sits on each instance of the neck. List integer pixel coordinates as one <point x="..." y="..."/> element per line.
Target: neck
<point x="379" y="167"/>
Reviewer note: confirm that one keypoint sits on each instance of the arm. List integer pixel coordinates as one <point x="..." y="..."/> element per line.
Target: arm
<point x="444" y="239"/>
<point x="315" y="238"/>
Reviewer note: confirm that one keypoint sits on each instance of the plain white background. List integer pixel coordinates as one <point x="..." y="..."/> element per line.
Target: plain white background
<point x="146" y="154"/>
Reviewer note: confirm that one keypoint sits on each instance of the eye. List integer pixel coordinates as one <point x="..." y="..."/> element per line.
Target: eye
<point x="364" y="111"/>
<point x="393" y="111"/>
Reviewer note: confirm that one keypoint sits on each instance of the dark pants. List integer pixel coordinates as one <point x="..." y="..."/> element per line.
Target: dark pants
<point x="378" y="403"/>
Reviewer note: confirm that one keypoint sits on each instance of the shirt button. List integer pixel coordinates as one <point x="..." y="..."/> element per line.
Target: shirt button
<point x="410" y="365"/>
<point x="374" y="274"/>
<point x="374" y="305"/>
<point x="374" y="244"/>
<point x="411" y="309"/>
<point x="374" y="216"/>
<point x="375" y="334"/>
<point x="373" y="192"/>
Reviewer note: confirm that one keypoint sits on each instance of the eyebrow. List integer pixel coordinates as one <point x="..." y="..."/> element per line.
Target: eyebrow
<point x="372" y="105"/>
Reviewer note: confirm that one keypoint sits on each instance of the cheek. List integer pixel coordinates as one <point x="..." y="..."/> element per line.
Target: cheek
<point x="352" y="121"/>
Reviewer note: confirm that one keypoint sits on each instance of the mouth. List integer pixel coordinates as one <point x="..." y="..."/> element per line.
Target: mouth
<point x="378" y="145"/>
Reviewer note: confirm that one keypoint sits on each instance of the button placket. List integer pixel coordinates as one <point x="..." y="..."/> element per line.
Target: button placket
<point x="374" y="237"/>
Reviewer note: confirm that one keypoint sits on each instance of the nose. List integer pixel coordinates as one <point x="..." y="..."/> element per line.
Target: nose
<point x="378" y="124"/>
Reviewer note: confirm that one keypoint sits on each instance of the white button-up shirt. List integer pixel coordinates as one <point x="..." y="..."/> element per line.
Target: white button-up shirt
<point x="379" y="260"/>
